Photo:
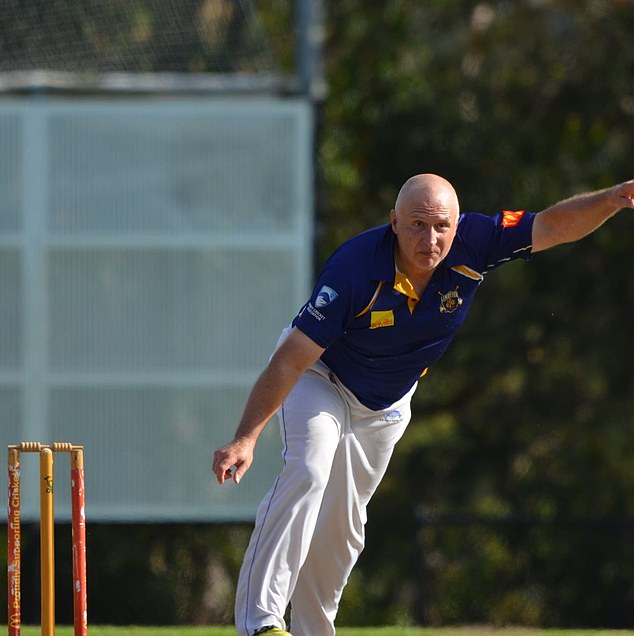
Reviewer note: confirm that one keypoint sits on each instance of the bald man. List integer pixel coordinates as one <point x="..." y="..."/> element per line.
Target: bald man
<point x="384" y="309"/>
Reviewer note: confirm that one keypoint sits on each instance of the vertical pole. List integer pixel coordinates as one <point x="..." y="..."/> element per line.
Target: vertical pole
<point x="309" y="25"/>
<point x="79" y="541"/>
<point x="36" y="166"/>
<point x="47" y="542"/>
<point x="14" y="545"/>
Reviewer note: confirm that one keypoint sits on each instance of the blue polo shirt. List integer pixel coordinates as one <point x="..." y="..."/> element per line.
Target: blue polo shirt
<point x="380" y="338"/>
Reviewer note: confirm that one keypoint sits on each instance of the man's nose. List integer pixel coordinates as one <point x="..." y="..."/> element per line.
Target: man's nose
<point x="428" y="235"/>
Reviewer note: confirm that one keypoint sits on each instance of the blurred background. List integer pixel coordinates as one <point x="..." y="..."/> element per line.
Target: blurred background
<point x="172" y="175"/>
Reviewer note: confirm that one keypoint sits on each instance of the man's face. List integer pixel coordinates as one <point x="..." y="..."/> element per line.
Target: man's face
<point x="425" y="230"/>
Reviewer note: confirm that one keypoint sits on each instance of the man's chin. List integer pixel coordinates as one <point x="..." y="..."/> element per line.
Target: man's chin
<point x="429" y="263"/>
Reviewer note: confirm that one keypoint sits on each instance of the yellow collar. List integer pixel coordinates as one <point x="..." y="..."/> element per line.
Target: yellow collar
<point x="403" y="285"/>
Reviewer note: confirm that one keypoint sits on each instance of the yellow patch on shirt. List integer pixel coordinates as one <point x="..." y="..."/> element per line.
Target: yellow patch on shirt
<point x="381" y="319"/>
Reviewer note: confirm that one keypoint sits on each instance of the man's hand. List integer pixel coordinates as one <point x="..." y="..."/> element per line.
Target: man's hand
<point x="233" y="459"/>
<point x="286" y="366"/>
<point x="624" y="193"/>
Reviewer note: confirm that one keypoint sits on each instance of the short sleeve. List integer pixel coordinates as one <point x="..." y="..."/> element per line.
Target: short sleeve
<point x="324" y="317"/>
<point x="498" y="239"/>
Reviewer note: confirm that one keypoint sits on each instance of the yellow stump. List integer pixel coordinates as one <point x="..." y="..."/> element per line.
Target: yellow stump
<point x="47" y="542"/>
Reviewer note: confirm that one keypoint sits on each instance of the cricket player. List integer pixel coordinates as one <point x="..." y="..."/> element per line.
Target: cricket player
<point x="384" y="309"/>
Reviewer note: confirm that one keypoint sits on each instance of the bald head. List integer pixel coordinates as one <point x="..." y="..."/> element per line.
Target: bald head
<point x="427" y="191"/>
<point x="425" y="222"/>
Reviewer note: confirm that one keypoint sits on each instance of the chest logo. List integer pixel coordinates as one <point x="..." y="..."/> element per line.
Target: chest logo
<point x="450" y="301"/>
<point x="381" y="319"/>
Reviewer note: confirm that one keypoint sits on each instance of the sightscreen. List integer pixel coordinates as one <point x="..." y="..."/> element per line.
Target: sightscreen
<point x="150" y="253"/>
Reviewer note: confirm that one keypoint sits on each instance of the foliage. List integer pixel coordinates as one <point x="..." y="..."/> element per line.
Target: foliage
<point x="514" y="102"/>
<point x="519" y="105"/>
<point x="91" y="36"/>
<point x="141" y="574"/>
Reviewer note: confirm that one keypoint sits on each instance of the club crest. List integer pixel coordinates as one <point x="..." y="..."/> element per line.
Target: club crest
<point x="449" y="301"/>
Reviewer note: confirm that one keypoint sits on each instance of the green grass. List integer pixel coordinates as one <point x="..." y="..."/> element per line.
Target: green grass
<point x="97" y="630"/>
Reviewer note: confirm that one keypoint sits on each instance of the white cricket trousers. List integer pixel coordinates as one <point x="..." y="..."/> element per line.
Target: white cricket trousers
<point x="309" y="528"/>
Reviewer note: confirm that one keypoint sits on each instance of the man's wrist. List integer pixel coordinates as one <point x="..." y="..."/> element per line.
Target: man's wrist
<point x="245" y="439"/>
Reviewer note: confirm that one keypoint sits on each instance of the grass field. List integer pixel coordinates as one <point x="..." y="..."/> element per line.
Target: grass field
<point x="344" y="631"/>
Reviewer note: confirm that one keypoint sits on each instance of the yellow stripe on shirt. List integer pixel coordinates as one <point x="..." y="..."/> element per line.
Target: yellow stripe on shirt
<point x="468" y="272"/>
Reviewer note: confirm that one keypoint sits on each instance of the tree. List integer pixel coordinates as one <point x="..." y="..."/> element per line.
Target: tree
<point x="519" y="104"/>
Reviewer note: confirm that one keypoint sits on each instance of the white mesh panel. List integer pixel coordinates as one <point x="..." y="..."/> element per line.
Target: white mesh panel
<point x="170" y="310"/>
<point x="174" y="169"/>
<point x="148" y="450"/>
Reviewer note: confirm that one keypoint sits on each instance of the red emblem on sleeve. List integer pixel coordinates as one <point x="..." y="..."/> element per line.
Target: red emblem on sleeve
<point x="511" y="218"/>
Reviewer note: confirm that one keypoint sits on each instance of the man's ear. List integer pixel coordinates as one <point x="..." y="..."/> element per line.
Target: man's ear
<point x="393" y="221"/>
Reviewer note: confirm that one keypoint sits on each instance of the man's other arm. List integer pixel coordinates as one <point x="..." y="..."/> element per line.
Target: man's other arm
<point x="290" y="360"/>
<point x="574" y="218"/>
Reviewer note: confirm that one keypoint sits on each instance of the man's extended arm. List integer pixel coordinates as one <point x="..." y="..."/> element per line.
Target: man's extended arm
<point x="292" y="358"/>
<point x="574" y="218"/>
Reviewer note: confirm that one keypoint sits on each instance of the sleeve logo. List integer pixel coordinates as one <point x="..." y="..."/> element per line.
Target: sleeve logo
<point x="511" y="218"/>
<point x="317" y="315"/>
<point x="325" y="296"/>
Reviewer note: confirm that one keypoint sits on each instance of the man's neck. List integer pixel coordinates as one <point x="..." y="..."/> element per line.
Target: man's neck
<point x="418" y="279"/>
